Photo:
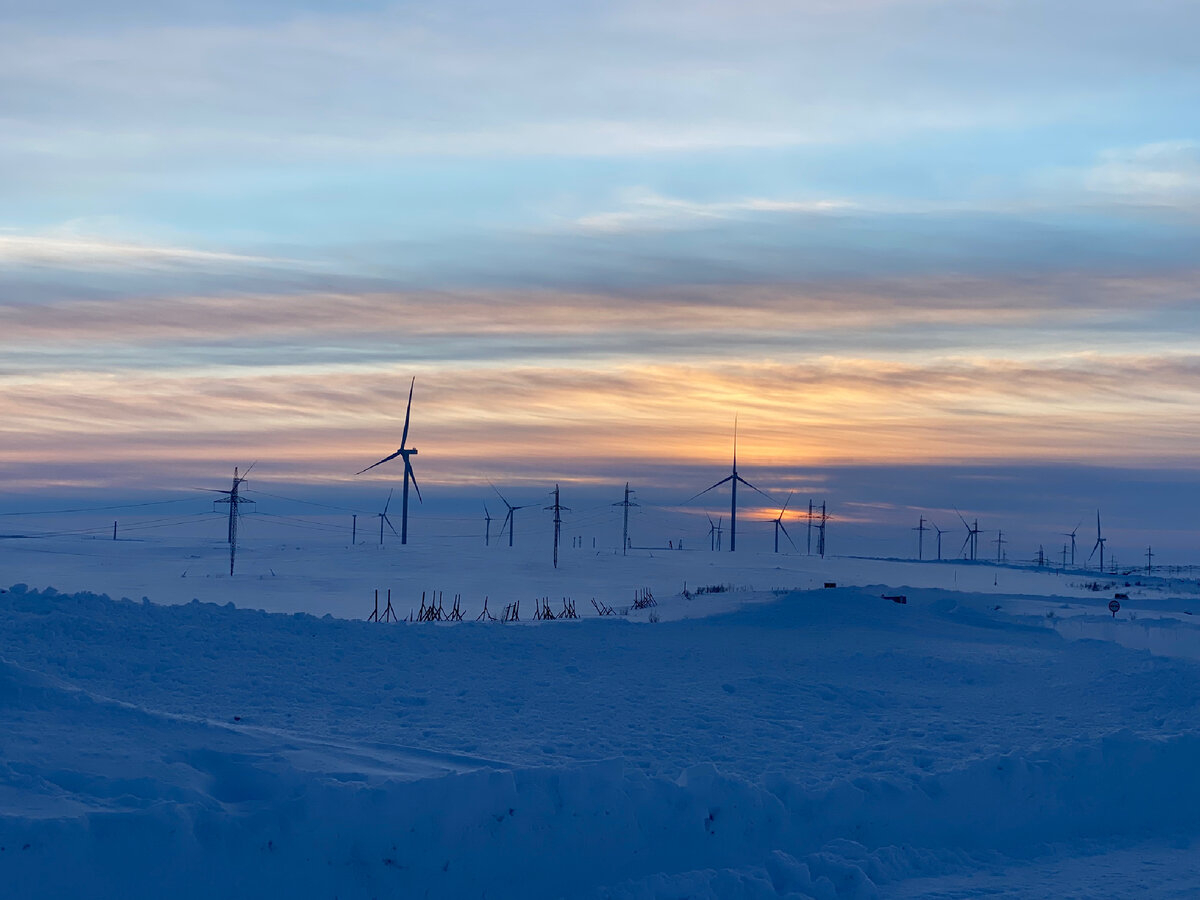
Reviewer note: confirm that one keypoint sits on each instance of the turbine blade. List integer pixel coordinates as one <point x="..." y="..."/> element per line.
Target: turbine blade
<point x="785" y="504"/>
<point x="388" y="502"/>
<point x="964" y="521"/>
<point x="380" y="463"/>
<point x="407" y="412"/>
<point x="753" y="488"/>
<point x="706" y="490"/>
<point x="500" y="495"/>
<point x="413" y="475"/>
<point x="788" y="536"/>
<point x="390" y="525"/>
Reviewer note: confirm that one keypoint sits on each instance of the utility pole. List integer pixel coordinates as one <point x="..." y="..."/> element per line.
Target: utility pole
<point x="821" y="531"/>
<point x="625" y="530"/>
<point x="558" y="508"/>
<point x="114" y="529"/>
<point x="354" y="528"/>
<point x="1000" y="542"/>
<point x="235" y="502"/>
<point x="920" y="529"/>
<point x="1149" y="559"/>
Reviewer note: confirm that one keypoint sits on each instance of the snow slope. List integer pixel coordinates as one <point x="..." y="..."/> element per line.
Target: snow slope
<point x="812" y="743"/>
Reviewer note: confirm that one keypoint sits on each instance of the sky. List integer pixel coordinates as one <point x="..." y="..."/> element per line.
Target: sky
<point x="912" y="245"/>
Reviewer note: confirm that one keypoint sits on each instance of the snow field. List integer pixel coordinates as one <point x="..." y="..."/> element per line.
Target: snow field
<point x="813" y="743"/>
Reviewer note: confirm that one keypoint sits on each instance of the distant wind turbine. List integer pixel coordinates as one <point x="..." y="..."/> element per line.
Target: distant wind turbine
<point x="383" y="517"/>
<point x="407" y="453"/>
<point x="1099" y="545"/>
<point x="972" y="539"/>
<point x="779" y="525"/>
<point x="510" y="518"/>
<point x="734" y="478"/>
<point x="1071" y="535"/>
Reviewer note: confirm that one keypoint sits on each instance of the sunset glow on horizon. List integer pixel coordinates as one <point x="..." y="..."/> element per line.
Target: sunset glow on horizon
<point x="957" y="239"/>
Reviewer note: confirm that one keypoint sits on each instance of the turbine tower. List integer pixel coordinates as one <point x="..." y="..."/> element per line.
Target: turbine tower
<point x="712" y="533"/>
<point x="407" y="453"/>
<point x="487" y="526"/>
<point x="1099" y="545"/>
<point x="733" y="480"/>
<point x="779" y="525"/>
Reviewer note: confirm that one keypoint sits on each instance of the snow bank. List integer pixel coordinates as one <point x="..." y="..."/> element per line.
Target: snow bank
<point x="261" y="828"/>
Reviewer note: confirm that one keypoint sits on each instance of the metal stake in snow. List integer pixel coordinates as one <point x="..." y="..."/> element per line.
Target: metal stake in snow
<point x="733" y="480"/>
<point x="409" y="474"/>
<point x="625" y="530"/>
<point x="558" y="508"/>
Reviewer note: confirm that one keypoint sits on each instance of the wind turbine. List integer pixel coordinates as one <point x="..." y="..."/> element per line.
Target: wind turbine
<point x="719" y="521"/>
<point x="939" y="539"/>
<point x="1071" y="535"/>
<point x="383" y="517"/>
<point x="779" y="525"/>
<point x="1099" y="545"/>
<point x="733" y="480"/>
<point x="509" y="519"/>
<point x="487" y="526"/>
<point x="972" y="536"/>
<point x="408" y="469"/>
<point x="712" y="533"/>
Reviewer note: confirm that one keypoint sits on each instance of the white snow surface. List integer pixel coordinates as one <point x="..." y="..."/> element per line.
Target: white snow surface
<point x="1001" y="734"/>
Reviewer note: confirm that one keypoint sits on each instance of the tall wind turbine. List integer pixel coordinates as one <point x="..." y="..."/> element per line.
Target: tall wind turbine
<point x="1071" y="535"/>
<point x="383" y="517"/>
<point x="509" y="519"/>
<point x="779" y="525"/>
<point x="733" y="480"/>
<point x="407" y="453"/>
<point x="712" y="533"/>
<point x="1099" y="545"/>
<point x="487" y="526"/>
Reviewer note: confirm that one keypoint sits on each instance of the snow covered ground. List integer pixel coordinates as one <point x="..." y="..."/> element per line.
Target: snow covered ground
<point x="1000" y="734"/>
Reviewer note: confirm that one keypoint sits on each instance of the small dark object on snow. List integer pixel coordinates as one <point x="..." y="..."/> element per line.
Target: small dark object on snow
<point x="1120" y="596"/>
<point x="895" y="598"/>
<point x="602" y="608"/>
<point x="830" y="584"/>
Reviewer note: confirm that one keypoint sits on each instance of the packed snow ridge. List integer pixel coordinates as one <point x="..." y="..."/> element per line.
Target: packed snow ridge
<point x="822" y="743"/>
